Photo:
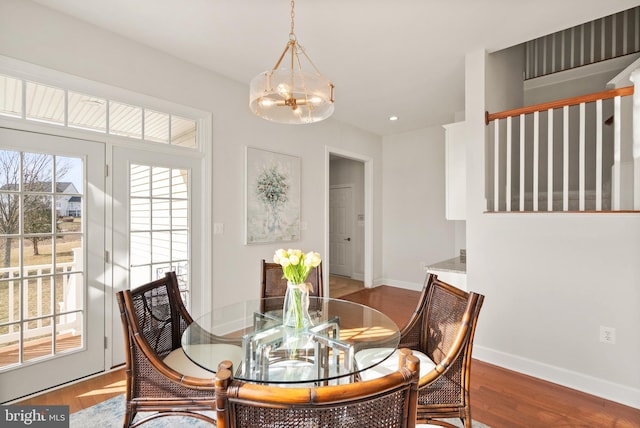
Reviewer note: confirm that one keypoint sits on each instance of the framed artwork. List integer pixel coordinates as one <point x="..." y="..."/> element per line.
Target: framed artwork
<point x="272" y="197"/>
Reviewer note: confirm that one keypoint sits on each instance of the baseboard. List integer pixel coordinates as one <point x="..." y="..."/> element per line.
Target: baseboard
<point x="588" y="384"/>
<point x="358" y="276"/>
<point x="400" y="284"/>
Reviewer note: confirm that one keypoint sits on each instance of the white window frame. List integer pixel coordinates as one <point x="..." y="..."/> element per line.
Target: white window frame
<point x="204" y="122"/>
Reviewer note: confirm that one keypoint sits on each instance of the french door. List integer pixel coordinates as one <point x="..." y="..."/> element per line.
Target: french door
<point x="155" y="220"/>
<point x="52" y="265"/>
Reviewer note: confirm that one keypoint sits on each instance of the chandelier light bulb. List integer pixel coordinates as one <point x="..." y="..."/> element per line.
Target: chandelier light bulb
<point x="284" y="91"/>
<point x="266" y="102"/>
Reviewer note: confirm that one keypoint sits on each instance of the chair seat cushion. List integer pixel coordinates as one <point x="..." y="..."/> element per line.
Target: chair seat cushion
<point x="382" y="367"/>
<point x="211" y="354"/>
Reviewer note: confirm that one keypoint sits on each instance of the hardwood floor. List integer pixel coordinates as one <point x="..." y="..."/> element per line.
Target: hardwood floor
<point x="500" y="397"/>
<point x="341" y="286"/>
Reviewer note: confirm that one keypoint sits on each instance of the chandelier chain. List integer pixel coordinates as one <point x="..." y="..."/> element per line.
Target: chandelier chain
<point x="293" y="14"/>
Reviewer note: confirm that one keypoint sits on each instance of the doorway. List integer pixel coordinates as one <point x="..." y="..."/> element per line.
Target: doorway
<point x="348" y="245"/>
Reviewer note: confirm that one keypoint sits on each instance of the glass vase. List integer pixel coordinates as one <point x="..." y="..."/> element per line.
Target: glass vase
<point x="295" y="310"/>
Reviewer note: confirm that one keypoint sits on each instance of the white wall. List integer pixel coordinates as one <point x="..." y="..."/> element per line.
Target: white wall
<point x="40" y="36"/>
<point x="550" y="280"/>
<point x="415" y="228"/>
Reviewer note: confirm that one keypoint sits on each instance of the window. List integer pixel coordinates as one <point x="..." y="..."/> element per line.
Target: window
<point x="55" y="106"/>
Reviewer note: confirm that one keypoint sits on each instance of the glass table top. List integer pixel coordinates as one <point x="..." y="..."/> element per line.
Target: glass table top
<point x="263" y="350"/>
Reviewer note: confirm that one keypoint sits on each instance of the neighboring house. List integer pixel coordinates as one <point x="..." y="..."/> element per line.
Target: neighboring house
<point x="68" y="204"/>
<point x="74" y="206"/>
<point x="550" y="280"/>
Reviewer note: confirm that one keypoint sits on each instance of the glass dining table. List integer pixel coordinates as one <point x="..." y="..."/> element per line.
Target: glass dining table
<point x="251" y="335"/>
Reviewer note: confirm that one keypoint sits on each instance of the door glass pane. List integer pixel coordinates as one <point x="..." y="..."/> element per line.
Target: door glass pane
<point x="10" y="248"/>
<point x="38" y="345"/>
<point x="69" y="339"/>
<point x="37" y="172"/>
<point x="159" y="223"/>
<point x="140" y="274"/>
<point x="38" y="300"/>
<point x="139" y="181"/>
<point x="161" y="182"/>
<point x="10" y="354"/>
<point x="42" y="268"/>
<point x="69" y="295"/>
<point x="141" y="248"/>
<point x="180" y="248"/>
<point x="69" y="244"/>
<point x="161" y="247"/>
<point x="161" y="214"/>
<point x="38" y="215"/>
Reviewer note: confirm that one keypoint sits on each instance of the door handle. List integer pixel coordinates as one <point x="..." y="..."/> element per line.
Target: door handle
<point x="347" y="239"/>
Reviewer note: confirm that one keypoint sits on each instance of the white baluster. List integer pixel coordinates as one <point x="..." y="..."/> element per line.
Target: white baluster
<point x="550" y="160"/>
<point x="508" y="177"/>
<point x="522" y="166"/>
<point x="496" y="165"/>
<point x="565" y="158"/>
<point x="581" y="157"/>
<point x="635" y="78"/>
<point x="536" y="151"/>
<point x="616" y="179"/>
<point x="598" y="155"/>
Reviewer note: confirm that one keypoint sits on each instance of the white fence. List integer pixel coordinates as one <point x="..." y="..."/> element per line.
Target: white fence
<point x="68" y="313"/>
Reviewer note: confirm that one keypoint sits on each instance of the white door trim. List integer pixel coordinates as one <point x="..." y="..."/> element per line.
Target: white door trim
<point x="368" y="211"/>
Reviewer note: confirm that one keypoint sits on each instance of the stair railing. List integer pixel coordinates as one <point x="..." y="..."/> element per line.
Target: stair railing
<point x="592" y="161"/>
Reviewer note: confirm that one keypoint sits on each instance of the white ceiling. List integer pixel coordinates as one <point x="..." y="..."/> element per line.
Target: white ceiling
<point x="391" y="57"/>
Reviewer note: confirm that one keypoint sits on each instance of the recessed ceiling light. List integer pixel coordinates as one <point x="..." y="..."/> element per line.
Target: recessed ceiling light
<point x="393" y="118"/>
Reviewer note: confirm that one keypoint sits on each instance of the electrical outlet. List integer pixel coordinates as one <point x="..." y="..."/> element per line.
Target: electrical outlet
<point x="423" y="266"/>
<point x="608" y="335"/>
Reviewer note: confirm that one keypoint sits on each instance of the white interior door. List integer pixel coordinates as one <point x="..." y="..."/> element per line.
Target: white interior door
<point x="156" y="218"/>
<point x="52" y="215"/>
<point x="341" y="231"/>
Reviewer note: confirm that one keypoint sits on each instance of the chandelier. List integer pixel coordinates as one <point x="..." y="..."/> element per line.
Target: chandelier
<point x="291" y="95"/>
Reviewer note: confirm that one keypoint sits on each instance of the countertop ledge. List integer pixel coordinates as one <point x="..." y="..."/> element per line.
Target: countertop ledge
<point x="451" y="265"/>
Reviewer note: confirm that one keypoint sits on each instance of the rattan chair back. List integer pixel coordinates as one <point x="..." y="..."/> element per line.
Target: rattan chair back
<point x="443" y="327"/>
<point x="274" y="285"/>
<point x="154" y="318"/>
<point x="386" y="402"/>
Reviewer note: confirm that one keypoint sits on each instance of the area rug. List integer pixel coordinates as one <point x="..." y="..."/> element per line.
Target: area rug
<point x="110" y="414"/>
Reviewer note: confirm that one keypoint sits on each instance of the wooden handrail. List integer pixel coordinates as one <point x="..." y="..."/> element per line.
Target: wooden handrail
<point x="604" y="95"/>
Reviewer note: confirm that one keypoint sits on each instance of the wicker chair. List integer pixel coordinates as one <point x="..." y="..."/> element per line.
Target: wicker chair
<point x="440" y="332"/>
<point x="274" y="285"/>
<point x="387" y="402"/>
<point x="160" y="378"/>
